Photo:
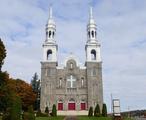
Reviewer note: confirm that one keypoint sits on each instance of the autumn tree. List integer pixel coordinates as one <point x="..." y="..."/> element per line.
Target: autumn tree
<point x="2" y="53"/>
<point x="24" y="91"/>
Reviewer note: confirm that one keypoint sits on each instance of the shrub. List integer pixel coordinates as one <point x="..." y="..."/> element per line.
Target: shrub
<point x="104" y="110"/>
<point x="54" y="110"/>
<point x="97" y="111"/>
<point x="90" y="113"/>
<point x="47" y="110"/>
<point x="29" y="115"/>
<point x="40" y="114"/>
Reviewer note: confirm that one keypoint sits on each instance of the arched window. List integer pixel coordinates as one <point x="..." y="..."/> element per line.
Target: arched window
<point x="49" y="54"/>
<point x="49" y="34"/>
<point x="71" y="65"/>
<point x="60" y="82"/>
<point x="53" y="34"/>
<point x="82" y="82"/>
<point x="93" y="55"/>
<point x="89" y="34"/>
<point x="95" y="34"/>
<point x="92" y="34"/>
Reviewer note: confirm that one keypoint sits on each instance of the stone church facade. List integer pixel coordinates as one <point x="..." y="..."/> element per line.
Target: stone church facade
<point x="71" y="87"/>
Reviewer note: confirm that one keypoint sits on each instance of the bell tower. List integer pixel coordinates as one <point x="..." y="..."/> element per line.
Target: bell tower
<point x="50" y="46"/>
<point x="93" y="65"/>
<point x="48" y="65"/>
<point x="92" y="46"/>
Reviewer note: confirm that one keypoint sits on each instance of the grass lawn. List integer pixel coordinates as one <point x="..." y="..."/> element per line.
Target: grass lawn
<point x="50" y="118"/>
<point x="79" y="118"/>
<point x="93" y="118"/>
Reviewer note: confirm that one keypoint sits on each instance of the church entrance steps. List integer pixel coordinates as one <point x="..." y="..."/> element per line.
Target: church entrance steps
<point x="72" y="113"/>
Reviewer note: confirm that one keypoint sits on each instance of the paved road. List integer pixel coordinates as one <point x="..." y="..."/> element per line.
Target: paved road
<point x="70" y="118"/>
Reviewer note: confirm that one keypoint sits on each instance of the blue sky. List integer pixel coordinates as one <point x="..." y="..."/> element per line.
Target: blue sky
<point x="121" y="32"/>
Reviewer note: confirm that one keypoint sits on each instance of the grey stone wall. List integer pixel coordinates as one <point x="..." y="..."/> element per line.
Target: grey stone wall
<point x="88" y="85"/>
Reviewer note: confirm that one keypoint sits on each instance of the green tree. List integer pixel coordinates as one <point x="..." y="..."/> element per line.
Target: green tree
<point x="104" y="110"/>
<point x="16" y="108"/>
<point x="35" y="82"/>
<point x="90" y="113"/>
<point x="2" y="53"/>
<point x="13" y="112"/>
<point x="54" y="110"/>
<point x="97" y="111"/>
<point x="4" y="91"/>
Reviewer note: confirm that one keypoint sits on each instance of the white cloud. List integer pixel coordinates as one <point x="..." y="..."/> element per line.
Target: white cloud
<point x="121" y="31"/>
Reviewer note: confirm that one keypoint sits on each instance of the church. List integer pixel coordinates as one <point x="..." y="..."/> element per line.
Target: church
<point x="71" y="87"/>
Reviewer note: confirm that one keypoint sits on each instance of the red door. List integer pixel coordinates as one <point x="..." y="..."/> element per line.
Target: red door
<point x="71" y="106"/>
<point x="83" y="106"/>
<point x="60" y="106"/>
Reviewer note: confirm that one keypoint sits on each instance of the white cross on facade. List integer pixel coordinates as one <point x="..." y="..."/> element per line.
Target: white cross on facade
<point x="71" y="80"/>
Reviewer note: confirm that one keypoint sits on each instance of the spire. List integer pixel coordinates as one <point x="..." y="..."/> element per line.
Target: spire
<point x="91" y="19"/>
<point x="91" y="28"/>
<point x="91" y="12"/>
<point x="50" y="13"/>
<point x="50" y="28"/>
<point x="50" y="20"/>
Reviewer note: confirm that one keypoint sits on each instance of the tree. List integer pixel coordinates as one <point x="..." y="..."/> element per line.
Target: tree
<point x="54" y="110"/>
<point x="13" y="111"/>
<point x="90" y="113"/>
<point x="2" y="53"/>
<point x="97" y="111"/>
<point x="104" y="110"/>
<point x="24" y="91"/>
<point x="16" y="108"/>
<point x="35" y="82"/>
<point x="4" y="91"/>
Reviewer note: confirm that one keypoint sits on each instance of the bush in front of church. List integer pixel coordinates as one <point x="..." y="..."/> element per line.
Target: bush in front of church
<point x="90" y="113"/>
<point x="40" y="114"/>
<point x="29" y="115"/>
<point x="54" y="111"/>
<point x="97" y="111"/>
<point x="104" y="110"/>
<point x="47" y="110"/>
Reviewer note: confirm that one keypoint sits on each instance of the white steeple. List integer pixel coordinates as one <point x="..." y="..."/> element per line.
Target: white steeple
<point x="91" y="27"/>
<point x="92" y="46"/>
<point x="50" y="46"/>
<point x="50" y="28"/>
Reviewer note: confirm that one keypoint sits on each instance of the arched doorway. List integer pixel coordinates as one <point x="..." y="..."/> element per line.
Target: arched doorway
<point x="83" y="105"/>
<point x="60" y="105"/>
<point x="71" y="104"/>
